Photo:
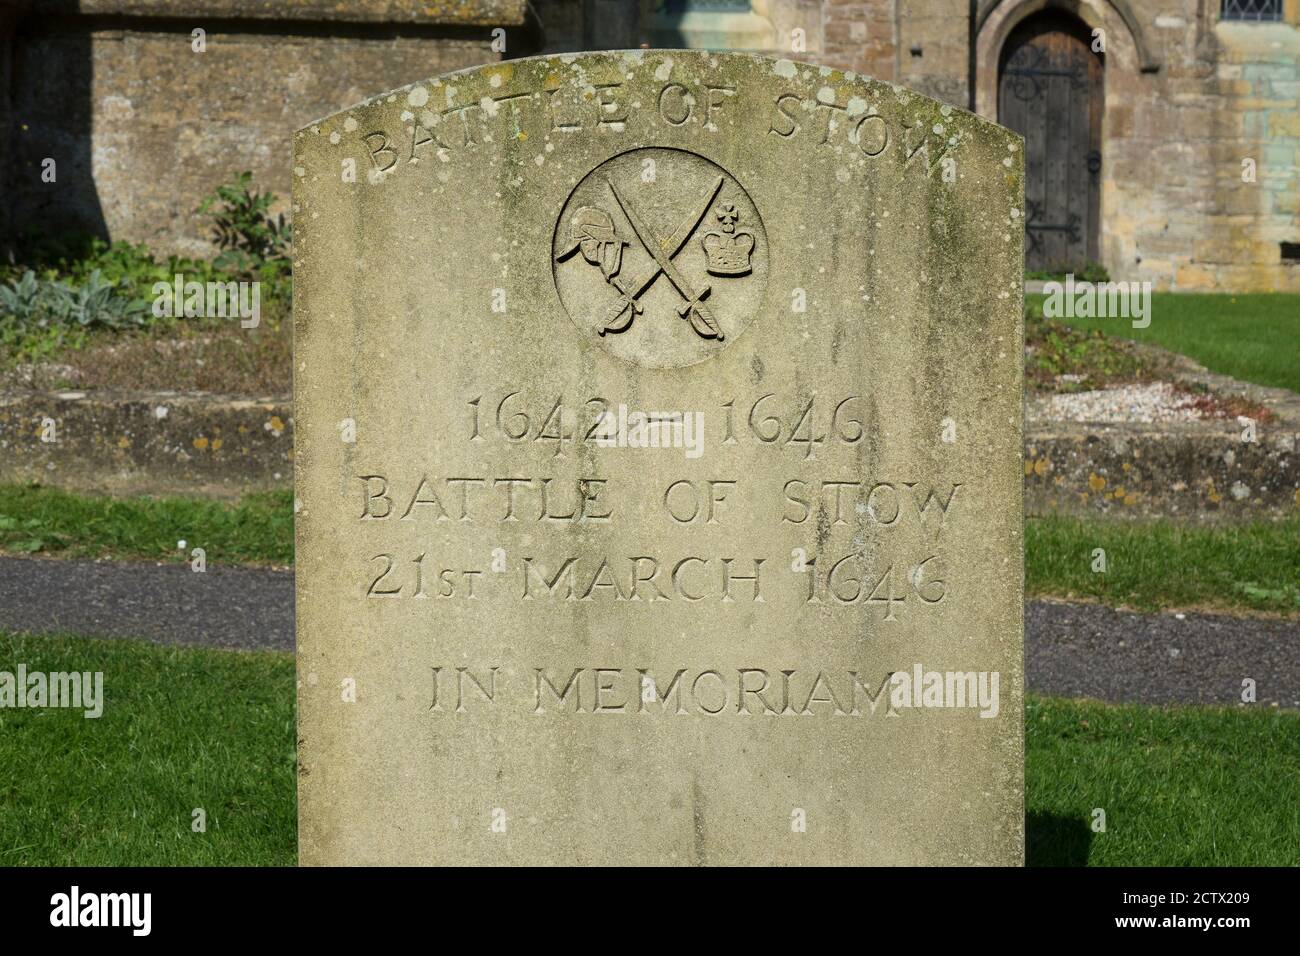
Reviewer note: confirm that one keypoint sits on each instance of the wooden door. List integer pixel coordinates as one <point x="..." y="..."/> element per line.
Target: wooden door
<point x="1050" y="92"/>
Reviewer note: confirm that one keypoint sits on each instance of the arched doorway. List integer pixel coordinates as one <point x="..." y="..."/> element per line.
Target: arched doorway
<point x="1050" y="91"/>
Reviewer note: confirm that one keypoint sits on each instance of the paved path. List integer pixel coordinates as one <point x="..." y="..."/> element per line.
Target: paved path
<point x="222" y="607"/>
<point x="1086" y="650"/>
<point x="1072" y="650"/>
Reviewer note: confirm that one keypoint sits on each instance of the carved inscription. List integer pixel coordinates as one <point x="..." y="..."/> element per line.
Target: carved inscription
<point x="657" y="692"/>
<point x="648" y="692"/>
<point x="806" y="425"/>
<point x="887" y="578"/>
<point x="875" y="130"/>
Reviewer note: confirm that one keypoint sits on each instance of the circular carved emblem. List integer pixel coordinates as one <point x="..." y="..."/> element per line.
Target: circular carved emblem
<point x="661" y="255"/>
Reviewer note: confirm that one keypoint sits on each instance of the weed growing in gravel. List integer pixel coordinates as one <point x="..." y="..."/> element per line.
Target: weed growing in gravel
<point x="1061" y="358"/>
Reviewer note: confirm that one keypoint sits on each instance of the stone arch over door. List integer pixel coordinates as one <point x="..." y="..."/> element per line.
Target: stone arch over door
<point x="1086" y="10"/>
<point x="1051" y="91"/>
<point x="1130" y="62"/>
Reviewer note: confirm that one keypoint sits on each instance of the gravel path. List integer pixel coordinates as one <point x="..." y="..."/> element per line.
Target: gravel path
<point x="1071" y="650"/>
<point x="1146" y="404"/>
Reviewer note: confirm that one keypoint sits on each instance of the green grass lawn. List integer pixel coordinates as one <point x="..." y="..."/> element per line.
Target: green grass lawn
<point x="1161" y="564"/>
<point x="1253" y="337"/>
<point x="1180" y="786"/>
<point x="1150" y="564"/>
<point x="256" y="530"/>
<point x="190" y="728"/>
<point x="182" y="729"/>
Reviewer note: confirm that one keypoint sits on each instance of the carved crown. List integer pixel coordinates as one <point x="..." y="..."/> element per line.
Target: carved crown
<point x="728" y="253"/>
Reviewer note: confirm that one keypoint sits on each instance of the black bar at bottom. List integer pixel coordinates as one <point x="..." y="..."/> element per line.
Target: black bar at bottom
<point x="876" y="905"/>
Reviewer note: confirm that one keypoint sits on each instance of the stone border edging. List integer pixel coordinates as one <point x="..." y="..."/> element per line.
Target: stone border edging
<point x="164" y="443"/>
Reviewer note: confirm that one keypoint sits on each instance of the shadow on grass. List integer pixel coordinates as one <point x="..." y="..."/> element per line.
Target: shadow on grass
<point x="1052" y="840"/>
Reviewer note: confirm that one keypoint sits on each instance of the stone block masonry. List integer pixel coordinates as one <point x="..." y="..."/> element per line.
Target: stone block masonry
<point x="142" y="124"/>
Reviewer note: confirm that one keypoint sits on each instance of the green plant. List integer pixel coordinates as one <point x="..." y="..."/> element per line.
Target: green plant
<point x="94" y="303"/>
<point x="130" y="267"/>
<point x="66" y="287"/>
<point x="133" y="269"/>
<point x="18" y="299"/>
<point x="1063" y="358"/>
<point x="249" y="236"/>
<point x="41" y="303"/>
<point x="39" y="317"/>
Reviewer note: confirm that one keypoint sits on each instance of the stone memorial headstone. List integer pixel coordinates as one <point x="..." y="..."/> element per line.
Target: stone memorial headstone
<point x="658" y="423"/>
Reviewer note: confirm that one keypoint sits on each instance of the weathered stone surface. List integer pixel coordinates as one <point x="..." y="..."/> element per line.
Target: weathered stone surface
<point x="520" y="644"/>
<point x="160" y="443"/>
<point x="442" y="12"/>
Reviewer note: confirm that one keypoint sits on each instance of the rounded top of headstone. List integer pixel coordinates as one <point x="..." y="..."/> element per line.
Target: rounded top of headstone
<point x="653" y="65"/>
<point x="662" y="200"/>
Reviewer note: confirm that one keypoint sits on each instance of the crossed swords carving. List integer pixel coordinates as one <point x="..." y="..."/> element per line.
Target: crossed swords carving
<point x="662" y="251"/>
